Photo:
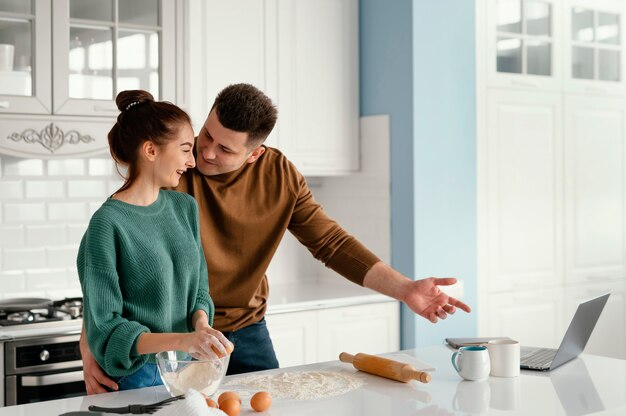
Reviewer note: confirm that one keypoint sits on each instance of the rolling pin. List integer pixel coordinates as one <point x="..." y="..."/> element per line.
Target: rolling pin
<point x="385" y="367"/>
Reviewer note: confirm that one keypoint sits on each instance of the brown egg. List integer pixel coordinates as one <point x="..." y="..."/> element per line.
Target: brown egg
<point x="231" y="406"/>
<point x="228" y="395"/>
<point x="210" y="402"/>
<point x="261" y="401"/>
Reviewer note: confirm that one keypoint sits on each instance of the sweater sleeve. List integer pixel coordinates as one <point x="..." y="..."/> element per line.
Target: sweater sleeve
<point x="112" y="339"/>
<point x="327" y="240"/>
<point x="203" y="300"/>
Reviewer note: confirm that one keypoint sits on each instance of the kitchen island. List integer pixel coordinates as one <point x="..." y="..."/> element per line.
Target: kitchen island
<point x="589" y="384"/>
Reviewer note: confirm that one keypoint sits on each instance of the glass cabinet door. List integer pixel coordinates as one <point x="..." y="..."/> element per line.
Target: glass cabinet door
<point x="25" y="56"/>
<point x="524" y="37"/>
<point x="596" y="52"/>
<point x="108" y="46"/>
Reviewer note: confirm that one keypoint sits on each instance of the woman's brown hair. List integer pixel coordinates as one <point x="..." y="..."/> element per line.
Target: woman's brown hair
<point x="141" y="119"/>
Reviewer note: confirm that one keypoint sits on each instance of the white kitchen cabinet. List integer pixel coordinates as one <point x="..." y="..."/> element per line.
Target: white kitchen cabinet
<point x="523" y="44"/>
<point x="523" y="204"/>
<point x="594" y="49"/>
<point x="595" y="189"/>
<point x="311" y="74"/>
<point x="305" y="337"/>
<point x="551" y="167"/>
<point x="62" y="104"/>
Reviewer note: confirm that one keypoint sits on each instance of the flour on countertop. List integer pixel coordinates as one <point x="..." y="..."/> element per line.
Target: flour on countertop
<point x="302" y="385"/>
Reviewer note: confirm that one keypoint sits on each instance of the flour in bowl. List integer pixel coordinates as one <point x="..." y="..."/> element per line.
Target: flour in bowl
<point x="200" y="376"/>
<point x="302" y="385"/>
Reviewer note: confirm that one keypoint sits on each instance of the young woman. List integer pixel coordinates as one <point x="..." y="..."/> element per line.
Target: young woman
<point x="141" y="265"/>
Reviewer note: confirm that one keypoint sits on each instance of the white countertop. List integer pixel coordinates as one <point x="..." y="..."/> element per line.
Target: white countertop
<point x="589" y="384"/>
<point x="319" y="294"/>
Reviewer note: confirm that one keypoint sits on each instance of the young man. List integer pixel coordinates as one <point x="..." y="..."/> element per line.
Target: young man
<point x="248" y="195"/>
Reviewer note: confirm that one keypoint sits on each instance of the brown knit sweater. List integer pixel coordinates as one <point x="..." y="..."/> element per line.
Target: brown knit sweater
<point x="243" y="217"/>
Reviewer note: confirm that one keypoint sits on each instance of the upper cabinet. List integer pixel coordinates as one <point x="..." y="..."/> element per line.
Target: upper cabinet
<point x="523" y="44"/>
<point x="572" y="45"/>
<point x="311" y="74"/>
<point x="62" y="63"/>
<point x="594" y="46"/>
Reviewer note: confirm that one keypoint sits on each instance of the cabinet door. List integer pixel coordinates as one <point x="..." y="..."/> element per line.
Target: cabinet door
<point x="533" y="317"/>
<point x="103" y="47"/>
<point x="372" y="329"/>
<point x="318" y="84"/>
<point x="523" y="154"/>
<point x="594" y="52"/>
<point x="247" y="54"/>
<point x="608" y="337"/>
<point x="294" y="337"/>
<point x="25" y="57"/>
<point x="595" y="188"/>
<point x="523" y="49"/>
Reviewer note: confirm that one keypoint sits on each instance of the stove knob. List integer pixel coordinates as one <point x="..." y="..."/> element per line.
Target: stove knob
<point x="44" y="355"/>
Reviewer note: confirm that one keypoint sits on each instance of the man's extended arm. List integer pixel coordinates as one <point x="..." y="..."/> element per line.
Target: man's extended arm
<point x="423" y="296"/>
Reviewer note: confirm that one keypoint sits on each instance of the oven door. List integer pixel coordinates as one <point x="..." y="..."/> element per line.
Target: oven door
<point x="38" y="387"/>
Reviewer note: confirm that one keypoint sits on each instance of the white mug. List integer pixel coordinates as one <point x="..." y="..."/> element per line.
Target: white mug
<point x="472" y="363"/>
<point x="7" y="52"/>
<point x="505" y="357"/>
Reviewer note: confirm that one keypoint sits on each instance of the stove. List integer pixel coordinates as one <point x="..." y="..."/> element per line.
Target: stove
<point x="39" y="311"/>
<point x="39" y="350"/>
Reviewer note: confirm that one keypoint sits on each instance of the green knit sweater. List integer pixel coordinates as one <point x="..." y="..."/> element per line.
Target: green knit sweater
<point x="141" y="269"/>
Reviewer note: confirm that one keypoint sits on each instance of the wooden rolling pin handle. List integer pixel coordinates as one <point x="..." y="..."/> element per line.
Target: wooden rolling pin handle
<point x="384" y="367"/>
<point x="411" y="374"/>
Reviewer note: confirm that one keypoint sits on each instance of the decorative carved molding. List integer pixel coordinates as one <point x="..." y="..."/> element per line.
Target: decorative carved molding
<point x="51" y="137"/>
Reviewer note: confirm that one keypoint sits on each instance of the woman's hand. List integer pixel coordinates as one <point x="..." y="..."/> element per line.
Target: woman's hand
<point x="206" y="343"/>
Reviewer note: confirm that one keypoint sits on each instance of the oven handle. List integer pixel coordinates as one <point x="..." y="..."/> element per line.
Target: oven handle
<point x="50" y="379"/>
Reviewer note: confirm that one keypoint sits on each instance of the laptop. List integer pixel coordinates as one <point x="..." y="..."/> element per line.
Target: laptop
<point x="574" y="341"/>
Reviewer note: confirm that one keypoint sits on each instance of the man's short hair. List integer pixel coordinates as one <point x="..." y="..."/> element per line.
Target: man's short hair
<point x="245" y="108"/>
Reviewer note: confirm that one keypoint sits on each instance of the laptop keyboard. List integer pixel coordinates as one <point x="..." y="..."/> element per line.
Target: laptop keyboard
<point x="541" y="358"/>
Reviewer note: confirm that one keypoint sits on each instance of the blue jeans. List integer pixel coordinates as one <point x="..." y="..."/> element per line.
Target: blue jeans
<point x="253" y="349"/>
<point x="146" y="376"/>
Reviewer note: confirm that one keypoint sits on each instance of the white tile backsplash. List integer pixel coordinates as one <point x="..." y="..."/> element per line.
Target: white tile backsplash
<point x="45" y="189"/>
<point x="24" y="212"/>
<point x="46" y="279"/>
<point x="12" y="190"/>
<point x="13" y="166"/>
<point x="66" y="167"/>
<point x="46" y="235"/>
<point x="86" y="189"/>
<point x="11" y="236"/>
<point x="40" y="235"/>
<point x="12" y="282"/>
<point x="67" y="211"/>
<point x="101" y="167"/>
<point x="61" y="256"/>
<point x="23" y="258"/>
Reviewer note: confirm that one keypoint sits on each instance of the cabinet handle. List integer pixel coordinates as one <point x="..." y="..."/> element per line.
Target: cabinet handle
<point x="105" y="109"/>
<point x="525" y="83"/>
<point x="5" y="104"/>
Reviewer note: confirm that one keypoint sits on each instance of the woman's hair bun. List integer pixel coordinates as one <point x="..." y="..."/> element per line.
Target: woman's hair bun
<point x="127" y="99"/>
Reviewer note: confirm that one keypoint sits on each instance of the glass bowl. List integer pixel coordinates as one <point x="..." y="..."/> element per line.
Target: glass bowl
<point x="179" y="372"/>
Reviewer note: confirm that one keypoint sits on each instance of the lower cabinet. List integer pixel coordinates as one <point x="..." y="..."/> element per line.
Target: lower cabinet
<point x="320" y="335"/>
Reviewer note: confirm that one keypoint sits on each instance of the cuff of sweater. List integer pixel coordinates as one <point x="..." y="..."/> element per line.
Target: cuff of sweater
<point x="203" y="303"/>
<point x="121" y="356"/>
<point x="352" y="260"/>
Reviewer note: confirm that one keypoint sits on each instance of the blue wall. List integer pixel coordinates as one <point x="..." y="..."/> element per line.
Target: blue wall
<point x="417" y="64"/>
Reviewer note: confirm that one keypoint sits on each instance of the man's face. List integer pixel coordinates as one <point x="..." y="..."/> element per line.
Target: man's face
<point x="221" y="150"/>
